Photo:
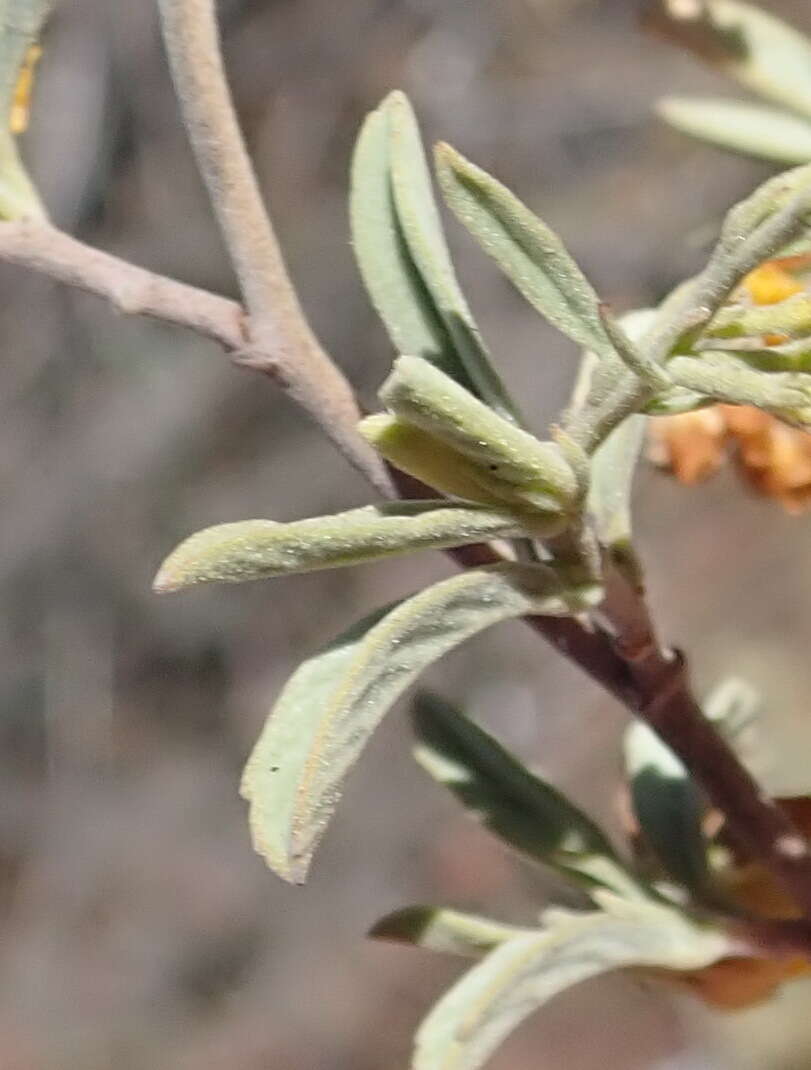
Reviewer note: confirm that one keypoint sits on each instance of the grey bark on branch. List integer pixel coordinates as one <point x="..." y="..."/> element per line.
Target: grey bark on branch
<point x="279" y="337"/>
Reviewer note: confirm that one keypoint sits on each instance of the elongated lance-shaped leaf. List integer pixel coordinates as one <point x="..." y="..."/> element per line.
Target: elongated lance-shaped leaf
<point x="533" y="471"/>
<point x="523" y="974"/>
<point x="725" y="377"/>
<point x="520" y="808"/>
<point x="391" y="277"/>
<point x="751" y="129"/>
<point x="614" y="462"/>
<point x="669" y="807"/>
<point x="668" y="803"/>
<point x="609" y="498"/>
<point x="755" y="47"/>
<point x="422" y="228"/>
<point x="258" y="549"/>
<point x="438" y="465"/>
<point x="529" y="253"/>
<point x="20" y="24"/>
<point x="334" y="701"/>
<point x="450" y="932"/>
<point x="402" y="255"/>
<point x="633" y="357"/>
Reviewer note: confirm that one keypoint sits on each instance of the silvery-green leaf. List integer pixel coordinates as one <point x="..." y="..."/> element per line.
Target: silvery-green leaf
<point x="402" y="255"/>
<point x="633" y="356"/>
<point x="259" y="549"/>
<point x="793" y="356"/>
<point x="422" y="228"/>
<point x="675" y="402"/>
<point x="520" y="808"/>
<point x="529" y="470"/>
<point x="614" y="461"/>
<point x="390" y="275"/>
<point x="668" y="805"/>
<point x="742" y="127"/>
<point x="334" y="701"/>
<point x="521" y="975"/>
<point x="438" y="465"/>
<point x="725" y="377"/>
<point x="450" y="932"/>
<point x="530" y="254"/>
<point x="20" y="24"/>
<point x="612" y="473"/>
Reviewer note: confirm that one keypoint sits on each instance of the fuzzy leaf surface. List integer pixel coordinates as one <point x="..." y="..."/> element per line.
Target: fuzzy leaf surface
<point x="259" y="549"/>
<point x="439" y="465"/>
<point x="529" y="253"/>
<point x="526" y="469"/>
<point x="392" y="279"/>
<point x="521" y="975"/>
<point x="334" y="701"/>
<point x="422" y="228"/>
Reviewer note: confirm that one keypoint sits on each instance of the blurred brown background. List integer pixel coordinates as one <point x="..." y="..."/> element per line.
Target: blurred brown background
<point x="138" y="928"/>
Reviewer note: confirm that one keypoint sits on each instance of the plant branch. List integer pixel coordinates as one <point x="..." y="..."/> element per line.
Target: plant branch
<point x="279" y="338"/>
<point x="129" y="289"/>
<point x="274" y="338"/>
<point x="664" y="700"/>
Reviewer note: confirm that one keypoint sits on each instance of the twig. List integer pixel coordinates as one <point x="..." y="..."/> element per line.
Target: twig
<point x="280" y="340"/>
<point x="129" y="289"/>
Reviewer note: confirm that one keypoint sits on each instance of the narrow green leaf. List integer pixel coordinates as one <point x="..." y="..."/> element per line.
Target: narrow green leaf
<point x="609" y="498"/>
<point x="450" y="932"/>
<point x="725" y="377"/>
<point x="762" y="52"/>
<point x="403" y="258"/>
<point x="668" y="802"/>
<point x="438" y="465"/>
<point x="633" y="357"/>
<point x="390" y="275"/>
<point x="20" y="25"/>
<point x="334" y="701"/>
<point x="751" y="129"/>
<point x="523" y="810"/>
<point x="530" y="471"/>
<point x="422" y="228"/>
<point x="530" y="254"/>
<point x="614" y="461"/>
<point x="259" y="549"/>
<point x="669" y="807"/>
<point x="523" y="974"/>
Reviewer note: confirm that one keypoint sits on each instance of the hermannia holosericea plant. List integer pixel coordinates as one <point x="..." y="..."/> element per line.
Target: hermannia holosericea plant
<point x="715" y="892"/>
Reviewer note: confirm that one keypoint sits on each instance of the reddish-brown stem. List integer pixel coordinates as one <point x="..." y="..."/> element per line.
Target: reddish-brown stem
<point x="662" y="697"/>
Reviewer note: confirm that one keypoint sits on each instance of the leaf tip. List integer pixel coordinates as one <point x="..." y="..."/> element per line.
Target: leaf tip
<point x="403" y="926"/>
<point x="165" y="581"/>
